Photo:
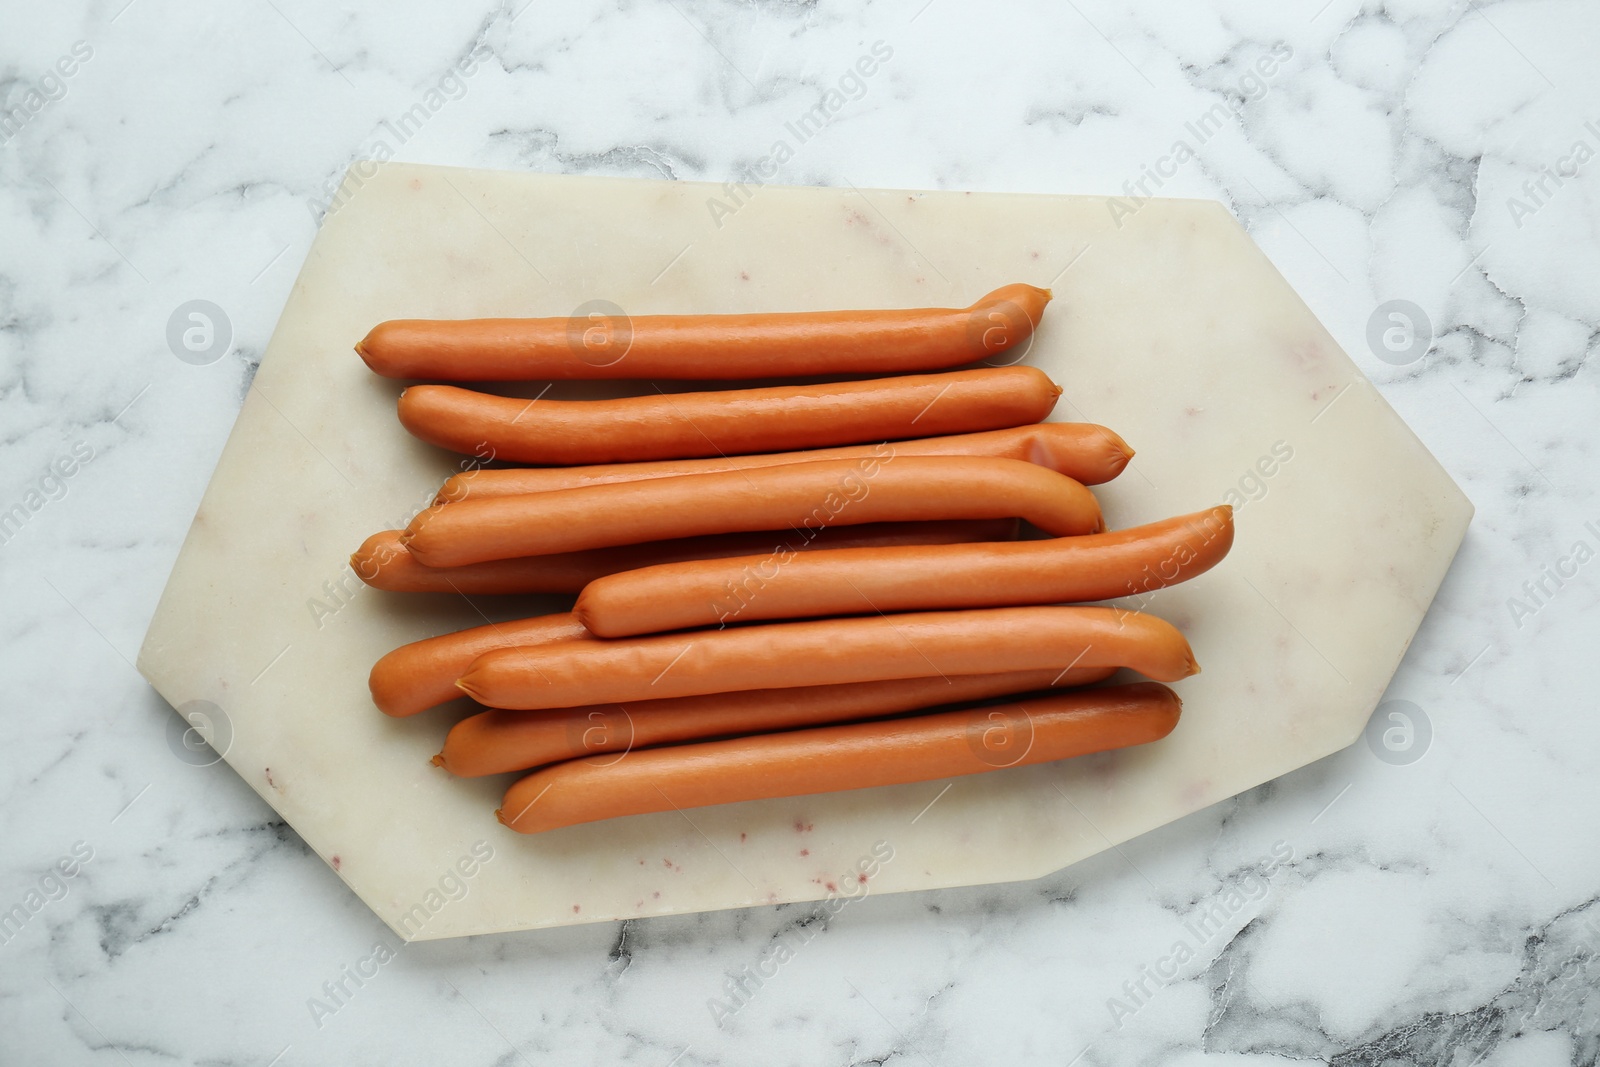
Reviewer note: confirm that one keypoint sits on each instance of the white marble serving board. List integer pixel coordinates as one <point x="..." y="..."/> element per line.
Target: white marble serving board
<point x="1169" y="325"/>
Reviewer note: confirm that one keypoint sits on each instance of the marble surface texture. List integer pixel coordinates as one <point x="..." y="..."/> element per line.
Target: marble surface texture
<point x="1434" y="902"/>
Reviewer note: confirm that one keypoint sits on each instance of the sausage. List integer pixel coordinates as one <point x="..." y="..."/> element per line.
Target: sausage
<point x="802" y="496"/>
<point x="492" y="742"/>
<point x="918" y="748"/>
<point x="854" y="581"/>
<point x="423" y="674"/>
<point x="705" y="346"/>
<point x="826" y="652"/>
<point x="1081" y="450"/>
<point x="384" y="563"/>
<point x="726" y="422"/>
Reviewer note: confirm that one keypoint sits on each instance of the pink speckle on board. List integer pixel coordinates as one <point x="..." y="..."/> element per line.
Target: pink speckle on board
<point x="641" y="861"/>
<point x="335" y="860"/>
<point x="1306" y="355"/>
<point x="744" y="275"/>
<point x="742" y="836"/>
<point x="416" y="183"/>
<point x="656" y="895"/>
<point x="801" y="827"/>
<point x="577" y="908"/>
<point x="862" y="878"/>
<point x="830" y="887"/>
<point x="805" y="852"/>
<point x="268" y="773"/>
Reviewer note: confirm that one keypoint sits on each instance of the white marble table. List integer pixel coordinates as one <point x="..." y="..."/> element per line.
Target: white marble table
<point x="1438" y="906"/>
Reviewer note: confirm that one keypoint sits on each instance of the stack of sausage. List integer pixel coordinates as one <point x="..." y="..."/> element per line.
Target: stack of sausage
<point x="780" y="590"/>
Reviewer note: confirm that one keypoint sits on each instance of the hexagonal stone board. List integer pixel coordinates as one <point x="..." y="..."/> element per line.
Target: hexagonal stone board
<point x="1171" y="328"/>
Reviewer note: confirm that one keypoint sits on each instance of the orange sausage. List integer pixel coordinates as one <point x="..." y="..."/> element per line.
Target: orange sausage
<point x="423" y="674"/>
<point x="827" y="652"/>
<point x="1081" y="450"/>
<point x="918" y="748"/>
<point x="384" y="563"/>
<point x="769" y="345"/>
<point x="854" y="581"/>
<point x="728" y="422"/>
<point x="834" y="492"/>
<point x="492" y="742"/>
